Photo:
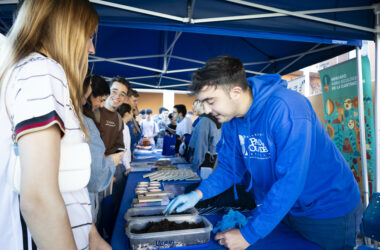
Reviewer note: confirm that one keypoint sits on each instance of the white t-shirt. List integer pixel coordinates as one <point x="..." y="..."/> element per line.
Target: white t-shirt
<point x="148" y="129"/>
<point x="126" y="159"/>
<point x="184" y="126"/>
<point x="37" y="97"/>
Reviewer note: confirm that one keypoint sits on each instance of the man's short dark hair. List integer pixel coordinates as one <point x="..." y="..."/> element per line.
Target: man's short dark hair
<point x="132" y="92"/>
<point x="162" y="109"/>
<point x="124" y="108"/>
<point x="122" y="80"/>
<point x="181" y="109"/>
<point x="142" y="112"/>
<point x="149" y="111"/>
<point x="223" y="71"/>
<point x="99" y="86"/>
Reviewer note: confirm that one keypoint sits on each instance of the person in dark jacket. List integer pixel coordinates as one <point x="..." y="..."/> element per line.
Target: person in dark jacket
<point x="298" y="175"/>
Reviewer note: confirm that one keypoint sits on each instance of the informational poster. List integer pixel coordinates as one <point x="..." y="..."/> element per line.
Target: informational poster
<point x="297" y="84"/>
<point x="315" y="86"/>
<point x="341" y="114"/>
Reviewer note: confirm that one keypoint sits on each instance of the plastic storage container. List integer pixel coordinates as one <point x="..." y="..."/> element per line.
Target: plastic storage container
<point x="154" y="212"/>
<point x="168" y="239"/>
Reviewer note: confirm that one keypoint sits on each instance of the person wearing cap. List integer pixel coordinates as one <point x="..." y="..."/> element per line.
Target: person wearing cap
<point x="142" y="115"/>
<point x="184" y="124"/>
<point x="161" y="119"/>
<point x="149" y="128"/>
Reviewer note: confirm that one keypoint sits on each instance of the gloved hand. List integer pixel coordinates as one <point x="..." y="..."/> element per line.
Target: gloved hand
<point x="182" y="203"/>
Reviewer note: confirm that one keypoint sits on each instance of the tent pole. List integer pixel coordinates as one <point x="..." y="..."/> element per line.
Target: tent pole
<point x="377" y="105"/>
<point x="176" y="79"/>
<point x="308" y="17"/>
<point x="100" y="59"/>
<point x="298" y="58"/>
<point x="128" y="64"/>
<point x="8" y="2"/>
<point x="363" y="142"/>
<point x="271" y="15"/>
<point x="165" y="67"/>
<point x="139" y="10"/>
<point x="292" y="56"/>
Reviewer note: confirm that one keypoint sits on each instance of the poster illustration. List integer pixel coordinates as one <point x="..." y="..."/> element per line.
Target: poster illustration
<point x="297" y="84"/>
<point x="341" y="114"/>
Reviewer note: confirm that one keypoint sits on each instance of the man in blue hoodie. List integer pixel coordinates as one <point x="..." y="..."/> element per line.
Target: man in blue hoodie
<point x="297" y="174"/>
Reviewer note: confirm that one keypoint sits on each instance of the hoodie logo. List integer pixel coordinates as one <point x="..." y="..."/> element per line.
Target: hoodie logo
<point x="254" y="147"/>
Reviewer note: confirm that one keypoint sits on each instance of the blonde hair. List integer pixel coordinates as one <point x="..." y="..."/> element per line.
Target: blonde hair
<point x="61" y="28"/>
<point x="198" y="107"/>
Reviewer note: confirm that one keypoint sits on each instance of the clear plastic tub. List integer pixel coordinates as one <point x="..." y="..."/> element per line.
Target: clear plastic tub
<point x="155" y="211"/>
<point x="169" y="239"/>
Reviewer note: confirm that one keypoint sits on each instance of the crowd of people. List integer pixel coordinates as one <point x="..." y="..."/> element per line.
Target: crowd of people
<point x="50" y="100"/>
<point x="51" y="103"/>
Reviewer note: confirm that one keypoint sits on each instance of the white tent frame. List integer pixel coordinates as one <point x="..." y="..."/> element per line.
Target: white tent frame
<point x="305" y="14"/>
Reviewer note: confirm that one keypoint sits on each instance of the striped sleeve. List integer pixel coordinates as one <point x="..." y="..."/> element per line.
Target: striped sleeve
<point x="40" y="97"/>
<point x="39" y="123"/>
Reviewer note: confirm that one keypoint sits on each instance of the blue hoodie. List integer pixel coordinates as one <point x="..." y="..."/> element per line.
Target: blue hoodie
<point x="294" y="166"/>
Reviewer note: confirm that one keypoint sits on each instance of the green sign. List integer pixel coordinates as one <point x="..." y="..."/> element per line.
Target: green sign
<point x="341" y="115"/>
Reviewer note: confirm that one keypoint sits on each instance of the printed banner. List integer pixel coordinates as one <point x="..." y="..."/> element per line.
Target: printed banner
<point x="341" y="115"/>
<point x="297" y="84"/>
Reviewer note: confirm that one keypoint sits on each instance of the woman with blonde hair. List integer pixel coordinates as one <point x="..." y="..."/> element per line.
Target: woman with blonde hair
<point x="42" y="67"/>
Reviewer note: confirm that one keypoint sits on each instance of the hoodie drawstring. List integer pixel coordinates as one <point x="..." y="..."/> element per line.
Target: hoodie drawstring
<point x="249" y="162"/>
<point x="234" y="163"/>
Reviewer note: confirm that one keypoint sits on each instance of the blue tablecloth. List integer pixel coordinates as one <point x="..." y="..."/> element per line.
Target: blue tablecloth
<point x="281" y="238"/>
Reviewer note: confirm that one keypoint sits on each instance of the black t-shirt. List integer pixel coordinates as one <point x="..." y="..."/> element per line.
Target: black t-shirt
<point x="172" y="126"/>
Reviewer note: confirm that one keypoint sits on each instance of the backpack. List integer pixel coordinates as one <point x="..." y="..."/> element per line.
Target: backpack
<point x="168" y="147"/>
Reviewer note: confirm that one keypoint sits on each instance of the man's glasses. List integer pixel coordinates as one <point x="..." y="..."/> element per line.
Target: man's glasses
<point x="120" y="93"/>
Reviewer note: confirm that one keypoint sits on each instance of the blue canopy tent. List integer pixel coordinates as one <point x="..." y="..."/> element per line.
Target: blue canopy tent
<point x="158" y="44"/>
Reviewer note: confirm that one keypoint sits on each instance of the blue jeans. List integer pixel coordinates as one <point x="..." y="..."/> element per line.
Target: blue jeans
<point x="335" y="233"/>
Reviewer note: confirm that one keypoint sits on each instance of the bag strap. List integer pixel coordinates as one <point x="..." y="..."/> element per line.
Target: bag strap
<point x="97" y="116"/>
<point x="120" y="121"/>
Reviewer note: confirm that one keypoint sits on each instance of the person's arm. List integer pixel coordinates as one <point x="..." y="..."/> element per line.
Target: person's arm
<point x="126" y="159"/>
<point x="214" y="136"/>
<point x="293" y="145"/>
<point x="41" y="202"/>
<point x="199" y="142"/>
<point x="173" y="131"/>
<point x="155" y="129"/>
<point x="102" y="168"/>
<point x="119" y="141"/>
<point x="188" y="126"/>
<point x="230" y="169"/>
<point x="96" y="242"/>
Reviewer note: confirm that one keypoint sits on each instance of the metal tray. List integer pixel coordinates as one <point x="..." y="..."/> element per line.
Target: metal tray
<point x="151" y="211"/>
<point x="168" y="239"/>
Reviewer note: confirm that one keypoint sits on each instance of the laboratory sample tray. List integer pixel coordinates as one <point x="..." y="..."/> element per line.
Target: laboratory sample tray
<point x="156" y="211"/>
<point x="168" y="239"/>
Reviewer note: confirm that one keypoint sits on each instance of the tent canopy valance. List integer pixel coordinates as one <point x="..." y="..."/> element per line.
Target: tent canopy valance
<point x="158" y="44"/>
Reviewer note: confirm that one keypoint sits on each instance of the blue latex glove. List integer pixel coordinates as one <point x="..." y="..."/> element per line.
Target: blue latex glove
<point x="182" y="203"/>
